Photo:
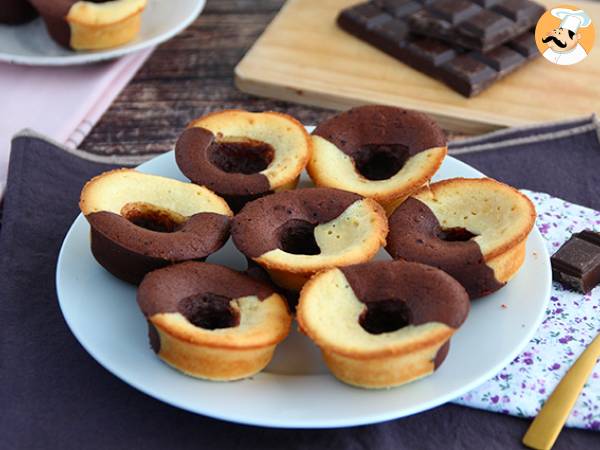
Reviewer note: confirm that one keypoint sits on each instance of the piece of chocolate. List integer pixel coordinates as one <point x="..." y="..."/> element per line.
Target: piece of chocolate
<point x="577" y="263"/>
<point x="477" y="25"/>
<point x="467" y="72"/>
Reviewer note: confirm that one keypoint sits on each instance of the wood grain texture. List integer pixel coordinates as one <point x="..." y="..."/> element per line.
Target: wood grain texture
<point x="188" y="76"/>
<point x="303" y="56"/>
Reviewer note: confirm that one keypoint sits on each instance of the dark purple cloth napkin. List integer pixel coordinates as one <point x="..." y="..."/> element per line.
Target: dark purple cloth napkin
<point x="53" y="395"/>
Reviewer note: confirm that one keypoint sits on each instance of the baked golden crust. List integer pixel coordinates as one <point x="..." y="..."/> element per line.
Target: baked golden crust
<point x="328" y="313"/>
<point x="330" y="167"/>
<point x="292" y="271"/>
<point x="288" y="137"/>
<point x="96" y="26"/>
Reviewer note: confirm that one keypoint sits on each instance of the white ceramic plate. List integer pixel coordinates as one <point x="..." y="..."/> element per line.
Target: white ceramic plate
<point x="295" y="390"/>
<point x="30" y="44"/>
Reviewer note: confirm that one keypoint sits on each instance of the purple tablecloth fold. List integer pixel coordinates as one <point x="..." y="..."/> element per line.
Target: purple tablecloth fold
<point x="54" y="395"/>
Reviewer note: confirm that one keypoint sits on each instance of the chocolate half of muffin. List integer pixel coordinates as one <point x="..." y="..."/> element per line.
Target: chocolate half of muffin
<point x="16" y="12"/>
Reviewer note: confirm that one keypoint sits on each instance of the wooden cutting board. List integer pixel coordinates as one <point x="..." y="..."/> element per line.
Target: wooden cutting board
<point x="304" y="57"/>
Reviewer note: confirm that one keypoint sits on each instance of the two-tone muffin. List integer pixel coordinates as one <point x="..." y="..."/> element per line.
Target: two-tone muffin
<point x="473" y="229"/>
<point x="242" y="155"/>
<point x="381" y="152"/>
<point x="212" y="322"/>
<point x="384" y="323"/>
<point x="142" y="222"/>
<point x="91" y="24"/>
<point x="294" y="234"/>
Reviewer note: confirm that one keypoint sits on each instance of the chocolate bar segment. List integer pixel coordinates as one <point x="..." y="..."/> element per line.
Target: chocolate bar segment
<point x="467" y="72"/>
<point x="477" y="25"/>
<point x="577" y="263"/>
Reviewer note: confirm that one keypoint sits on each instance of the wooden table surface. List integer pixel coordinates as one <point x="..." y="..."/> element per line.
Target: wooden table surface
<point x="188" y="76"/>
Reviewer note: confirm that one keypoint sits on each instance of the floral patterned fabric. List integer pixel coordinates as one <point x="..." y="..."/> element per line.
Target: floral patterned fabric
<point x="572" y="321"/>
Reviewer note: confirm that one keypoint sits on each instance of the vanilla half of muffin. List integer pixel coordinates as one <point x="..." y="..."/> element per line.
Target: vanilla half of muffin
<point x="294" y="234"/>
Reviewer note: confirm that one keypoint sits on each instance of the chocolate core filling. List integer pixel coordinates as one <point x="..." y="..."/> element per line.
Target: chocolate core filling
<point x="385" y="316"/>
<point x="209" y="311"/>
<point x="153" y="218"/>
<point x="297" y="236"/>
<point x="380" y="162"/>
<point x="246" y="157"/>
<point x="457" y="234"/>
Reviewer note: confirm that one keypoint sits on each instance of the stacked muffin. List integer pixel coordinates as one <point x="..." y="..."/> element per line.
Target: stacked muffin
<point x="378" y="324"/>
<point x="80" y="24"/>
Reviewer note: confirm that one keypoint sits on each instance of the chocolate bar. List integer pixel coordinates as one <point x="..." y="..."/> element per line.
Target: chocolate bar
<point x="577" y="263"/>
<point x="478" y="25"/>
<point x="467" y="72"/>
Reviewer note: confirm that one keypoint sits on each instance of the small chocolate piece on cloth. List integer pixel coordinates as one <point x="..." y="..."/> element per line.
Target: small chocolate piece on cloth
<point x="466" y="71"/>
<point x="577" y="263"/>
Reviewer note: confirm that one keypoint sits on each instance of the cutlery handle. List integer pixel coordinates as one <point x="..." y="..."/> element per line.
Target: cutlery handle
<point x="544" y="429"/>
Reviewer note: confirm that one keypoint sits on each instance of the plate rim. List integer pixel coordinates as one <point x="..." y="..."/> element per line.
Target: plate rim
<point x="78" y="59"/>
<point x="364" y="419"/>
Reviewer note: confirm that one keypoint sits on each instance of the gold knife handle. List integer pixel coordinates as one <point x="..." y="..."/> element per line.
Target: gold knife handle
<point x="544" y="429"/>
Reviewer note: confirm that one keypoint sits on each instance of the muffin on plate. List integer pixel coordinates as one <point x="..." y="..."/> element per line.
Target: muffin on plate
<point x="381" y="152"/>
<point x="142" y="222"/>
<point x="212" y="322"/>
<point x="91" y="24"/>
<point x="473" y="229"/>
<point x="382" y="324"/>
<point x="242" y="155"/>
<point x="294" y="234"/>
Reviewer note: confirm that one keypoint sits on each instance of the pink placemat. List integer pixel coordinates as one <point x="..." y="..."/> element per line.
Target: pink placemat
<point x="63" y="103"/>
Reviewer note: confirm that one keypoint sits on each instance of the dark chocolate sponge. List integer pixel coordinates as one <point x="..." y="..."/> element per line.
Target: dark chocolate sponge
<point x="16" y="12"/>
<point x="129" y="251"/>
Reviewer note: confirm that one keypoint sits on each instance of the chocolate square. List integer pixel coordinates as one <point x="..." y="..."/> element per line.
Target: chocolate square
<point x="502" y="59"/>
<point x="485" y="23"/>
<point x="577" y="263"/>
<point x="455" y="11"/>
